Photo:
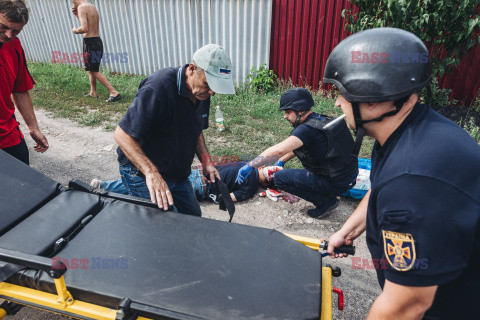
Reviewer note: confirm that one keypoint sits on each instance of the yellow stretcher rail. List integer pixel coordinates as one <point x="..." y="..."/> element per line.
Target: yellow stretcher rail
<point x="309" y="242"/>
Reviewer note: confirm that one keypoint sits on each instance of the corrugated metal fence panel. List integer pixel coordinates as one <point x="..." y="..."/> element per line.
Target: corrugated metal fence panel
<point x="303" y="34"/>
<point x="154" y="34"/>
<point x="465" y="80"/>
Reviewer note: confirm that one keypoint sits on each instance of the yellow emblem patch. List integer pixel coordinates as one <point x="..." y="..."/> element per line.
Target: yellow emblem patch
<point x="399" y="250"/>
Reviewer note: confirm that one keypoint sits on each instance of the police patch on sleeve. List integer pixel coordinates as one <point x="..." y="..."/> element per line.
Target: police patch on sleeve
<point x="399" y="250"/>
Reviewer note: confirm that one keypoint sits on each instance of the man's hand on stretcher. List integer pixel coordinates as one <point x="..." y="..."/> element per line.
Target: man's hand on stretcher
<point x="157" y="187"/>
<point x="159" y="191"/>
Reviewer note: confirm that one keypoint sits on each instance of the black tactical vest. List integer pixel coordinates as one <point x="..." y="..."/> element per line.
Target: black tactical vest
<point x="339" y="162"/>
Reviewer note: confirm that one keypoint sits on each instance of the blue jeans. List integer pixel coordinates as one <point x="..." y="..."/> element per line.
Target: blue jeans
<point x="309" y="186"/>
<point x="133" y="183"/>
<point x="199" y="188"/>
<point x="116" y="186"/>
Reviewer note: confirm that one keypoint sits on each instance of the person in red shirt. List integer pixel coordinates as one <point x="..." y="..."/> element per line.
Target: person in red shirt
<point x="15" y="82"/>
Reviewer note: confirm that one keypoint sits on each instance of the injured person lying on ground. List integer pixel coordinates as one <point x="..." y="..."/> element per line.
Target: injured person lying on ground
<point x="203" y="191"/>
<point x="228" y="174"/>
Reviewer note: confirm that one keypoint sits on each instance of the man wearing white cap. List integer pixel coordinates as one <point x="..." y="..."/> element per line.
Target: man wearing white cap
<point x="162" y="130"/>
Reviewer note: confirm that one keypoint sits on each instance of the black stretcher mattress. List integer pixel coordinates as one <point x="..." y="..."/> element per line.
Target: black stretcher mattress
<point x="170" y="265"/>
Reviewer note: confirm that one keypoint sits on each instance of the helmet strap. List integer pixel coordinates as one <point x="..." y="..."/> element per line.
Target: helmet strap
<point x="297" y="120"/>
<point x="358" y="118"/>
<point x="360" y="130"/>
<point x="359" y="134"/>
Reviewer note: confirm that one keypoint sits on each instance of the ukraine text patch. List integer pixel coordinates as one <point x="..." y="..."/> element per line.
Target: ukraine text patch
<point x="225" y="71"/>
<point x="399" y="250"/>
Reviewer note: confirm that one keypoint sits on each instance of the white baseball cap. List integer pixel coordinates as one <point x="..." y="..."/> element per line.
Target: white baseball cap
<point x="216" y="63"/>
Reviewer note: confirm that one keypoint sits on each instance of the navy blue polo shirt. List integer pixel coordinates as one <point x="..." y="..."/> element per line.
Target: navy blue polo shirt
<point x="166" y="123"/>
<point x="315" y="142"/>
<point x="424" y="212"/>
<point x="228" y="173"/>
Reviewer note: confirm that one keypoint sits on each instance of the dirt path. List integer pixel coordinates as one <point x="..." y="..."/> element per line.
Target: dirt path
<point x="86" y="153"/>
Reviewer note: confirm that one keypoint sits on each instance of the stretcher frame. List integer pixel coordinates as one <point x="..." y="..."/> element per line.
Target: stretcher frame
<point x="64" y="303"/>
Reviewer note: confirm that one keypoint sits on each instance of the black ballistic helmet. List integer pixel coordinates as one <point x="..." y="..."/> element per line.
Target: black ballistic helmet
<point x="379" y="65"/>
<point x="296" y="99"/>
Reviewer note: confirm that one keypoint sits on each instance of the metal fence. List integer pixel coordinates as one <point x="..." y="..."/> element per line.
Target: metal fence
<point x="304" y="32"/>
<point x="142" y="36"/>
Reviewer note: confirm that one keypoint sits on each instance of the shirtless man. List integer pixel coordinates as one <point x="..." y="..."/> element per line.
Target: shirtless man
<point x="92" y="47"/>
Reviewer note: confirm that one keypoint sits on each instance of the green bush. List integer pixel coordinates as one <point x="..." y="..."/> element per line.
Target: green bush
<point x="476" y="103"/>
<point x="262" y="79"/>
<point x="440" y="97"/>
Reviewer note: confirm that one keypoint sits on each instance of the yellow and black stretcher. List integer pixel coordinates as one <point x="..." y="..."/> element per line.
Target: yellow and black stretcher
<point x="96" y="255"/>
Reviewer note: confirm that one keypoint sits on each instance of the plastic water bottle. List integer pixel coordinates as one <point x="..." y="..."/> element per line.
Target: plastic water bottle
<point x="219" y="119"/>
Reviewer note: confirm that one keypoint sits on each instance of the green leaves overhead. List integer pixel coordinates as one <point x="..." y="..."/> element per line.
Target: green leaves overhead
<point x="449" y="28"/>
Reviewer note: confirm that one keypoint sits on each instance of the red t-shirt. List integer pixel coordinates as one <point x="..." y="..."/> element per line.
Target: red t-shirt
<point x="14" y="77"/>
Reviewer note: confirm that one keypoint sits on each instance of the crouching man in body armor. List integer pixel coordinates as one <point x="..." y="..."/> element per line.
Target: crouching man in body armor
<point x="325" y="152"/>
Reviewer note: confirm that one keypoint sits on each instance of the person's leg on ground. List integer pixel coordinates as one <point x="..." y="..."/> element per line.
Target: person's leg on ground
<point x="93" y="84"/>
<point x="199" y="187"/>
<point x="104" y="81"/>
<point x="116" y="186"/>
<point x="184" y="198"/>
<point x="19" y="151"/>
<point x="308" y="186"/>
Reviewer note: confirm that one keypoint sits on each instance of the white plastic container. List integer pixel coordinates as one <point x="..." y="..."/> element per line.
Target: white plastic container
<point x="219" y="119"/>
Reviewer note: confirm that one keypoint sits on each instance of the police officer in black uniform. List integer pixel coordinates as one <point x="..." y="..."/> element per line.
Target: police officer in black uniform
<point x="422" y="212"/>
<point x="325" y="152"/>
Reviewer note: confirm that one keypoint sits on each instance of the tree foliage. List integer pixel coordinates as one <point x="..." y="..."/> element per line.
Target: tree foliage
<point x="448" y="28"/>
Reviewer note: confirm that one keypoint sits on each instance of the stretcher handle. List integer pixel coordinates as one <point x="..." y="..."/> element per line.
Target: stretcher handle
<point x="345" y="249"/>
<point x="33" y="262"/>
<point x="348" y="249"/>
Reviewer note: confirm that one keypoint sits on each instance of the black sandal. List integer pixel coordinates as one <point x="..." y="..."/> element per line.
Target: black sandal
<point x="88" y="95"/>
<point x="113" y="99"/>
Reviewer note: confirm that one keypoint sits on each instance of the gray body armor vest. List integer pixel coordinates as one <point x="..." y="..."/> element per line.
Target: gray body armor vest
<point x="339" y="162"/>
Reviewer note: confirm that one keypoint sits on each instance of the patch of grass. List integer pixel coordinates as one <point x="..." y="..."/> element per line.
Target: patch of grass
<point x="92" y="119"/>
<point x="253" y="122"/>
<point x="60" y="89"/>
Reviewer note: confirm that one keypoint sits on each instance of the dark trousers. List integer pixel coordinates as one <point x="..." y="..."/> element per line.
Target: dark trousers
<point x="311" y="187"/>
<point x="19" y="151"/>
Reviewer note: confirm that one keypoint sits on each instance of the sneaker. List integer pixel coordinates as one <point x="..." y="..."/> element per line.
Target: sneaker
<point x="95" y="183"/>
<point x="323" y="211"/>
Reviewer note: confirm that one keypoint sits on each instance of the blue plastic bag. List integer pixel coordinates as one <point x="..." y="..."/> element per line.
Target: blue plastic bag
<point x="363" y="180"/>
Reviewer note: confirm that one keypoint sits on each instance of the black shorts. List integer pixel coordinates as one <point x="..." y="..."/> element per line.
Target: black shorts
<point x="93" y="53"/>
